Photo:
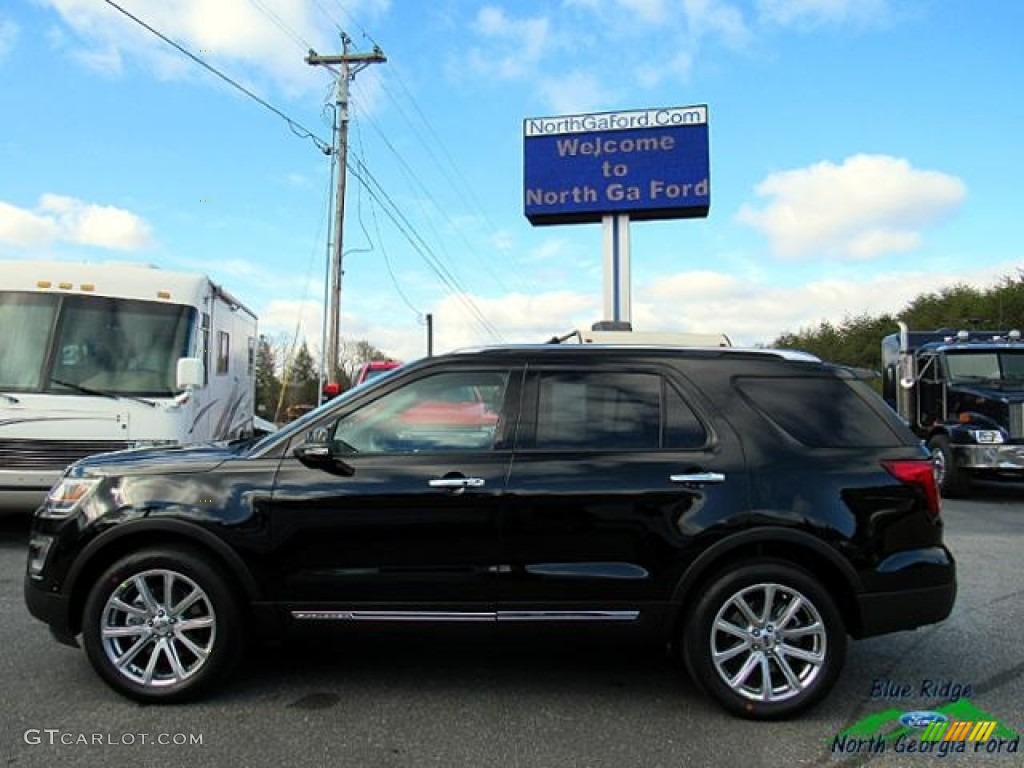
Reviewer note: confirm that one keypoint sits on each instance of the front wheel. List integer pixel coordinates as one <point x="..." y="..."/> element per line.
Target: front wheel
<point x="161" y="625"/>
<point x="951" y="479"/>
<point x="765" y="641"/>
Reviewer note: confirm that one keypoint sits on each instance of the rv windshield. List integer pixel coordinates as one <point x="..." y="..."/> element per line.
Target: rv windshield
<point x="59" y="343"/>
<point x="986" y="366"/>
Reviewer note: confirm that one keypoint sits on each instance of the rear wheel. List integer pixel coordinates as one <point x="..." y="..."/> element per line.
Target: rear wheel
<point x="161" y="625"/>
<point x="765" y="641"/>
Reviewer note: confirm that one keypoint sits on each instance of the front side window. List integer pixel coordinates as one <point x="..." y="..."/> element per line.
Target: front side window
<point x="454" y="411"/>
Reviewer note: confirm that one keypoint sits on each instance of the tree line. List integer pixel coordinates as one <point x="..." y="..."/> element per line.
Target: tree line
<point x="856" y="341"/>
<point x="287" y="376"/>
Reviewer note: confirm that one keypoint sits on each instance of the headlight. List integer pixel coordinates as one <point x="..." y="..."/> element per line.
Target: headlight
<point x="154" y="443"/>
<point x="987" y="436"/>
<point x="67" y="495"/>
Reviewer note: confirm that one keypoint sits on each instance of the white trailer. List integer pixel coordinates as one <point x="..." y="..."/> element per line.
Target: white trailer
<point x="102" y="357"/>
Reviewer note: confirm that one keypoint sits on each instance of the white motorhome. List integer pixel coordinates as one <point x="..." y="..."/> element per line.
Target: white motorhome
<point x="102" y="357"/>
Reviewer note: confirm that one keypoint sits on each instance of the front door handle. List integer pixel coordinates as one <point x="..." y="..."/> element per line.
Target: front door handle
<point x="457" y="483"/>
<point x="698" y="478"/>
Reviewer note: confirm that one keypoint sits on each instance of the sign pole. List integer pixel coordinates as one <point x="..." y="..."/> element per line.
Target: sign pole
<point x="617" y="279"/>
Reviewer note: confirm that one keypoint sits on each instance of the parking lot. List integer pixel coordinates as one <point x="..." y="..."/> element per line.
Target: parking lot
<point x="453" y="702"/>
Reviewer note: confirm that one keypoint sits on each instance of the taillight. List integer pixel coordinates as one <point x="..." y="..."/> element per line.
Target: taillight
<point x="916" y="472"/>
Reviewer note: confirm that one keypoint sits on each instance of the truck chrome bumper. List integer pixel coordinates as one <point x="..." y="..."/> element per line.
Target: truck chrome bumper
<point x="999" y="457"/>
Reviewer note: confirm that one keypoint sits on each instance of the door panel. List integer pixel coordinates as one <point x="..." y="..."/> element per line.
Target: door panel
<point x="409" y="519"/>
<point x="608" y="528"/>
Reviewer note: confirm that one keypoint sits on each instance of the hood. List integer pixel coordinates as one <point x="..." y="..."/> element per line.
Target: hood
<point x="170" y="460"/>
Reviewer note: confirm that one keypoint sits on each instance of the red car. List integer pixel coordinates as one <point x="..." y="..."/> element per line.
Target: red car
<point x="373" y="369"/>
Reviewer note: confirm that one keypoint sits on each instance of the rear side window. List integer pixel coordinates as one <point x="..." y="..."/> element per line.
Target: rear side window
<point x="819" y="412"/>
<point x="613" y="411"/>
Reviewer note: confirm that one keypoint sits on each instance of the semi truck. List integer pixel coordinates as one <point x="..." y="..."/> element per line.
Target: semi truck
<point x="97" y="357"/>
<point x="962" y="392"/>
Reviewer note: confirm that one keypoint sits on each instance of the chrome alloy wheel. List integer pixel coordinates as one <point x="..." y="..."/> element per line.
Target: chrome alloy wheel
<point x="938" y="465"/>
<point x="768" y="643"/>
<point x="158" y="628"/>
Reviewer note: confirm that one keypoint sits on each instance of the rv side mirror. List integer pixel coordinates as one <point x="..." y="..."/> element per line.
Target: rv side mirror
<point x="190" y="373"/>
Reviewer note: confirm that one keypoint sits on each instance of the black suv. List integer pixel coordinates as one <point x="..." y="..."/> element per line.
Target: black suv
<point x="750" y="509"/>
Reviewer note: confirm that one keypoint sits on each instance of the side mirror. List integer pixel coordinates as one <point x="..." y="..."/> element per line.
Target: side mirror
<point x="189" y="373"/>
<point x="318" y="455"/>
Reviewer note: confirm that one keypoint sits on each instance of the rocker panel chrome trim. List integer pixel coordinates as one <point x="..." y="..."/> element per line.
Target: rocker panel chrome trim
<point x="469" y="616"/>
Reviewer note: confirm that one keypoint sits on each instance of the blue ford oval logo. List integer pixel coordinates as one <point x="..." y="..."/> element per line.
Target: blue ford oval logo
<point x="922" y="719"/>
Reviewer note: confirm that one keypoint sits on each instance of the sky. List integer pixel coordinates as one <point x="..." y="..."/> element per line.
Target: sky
<point x="862" y="153"/>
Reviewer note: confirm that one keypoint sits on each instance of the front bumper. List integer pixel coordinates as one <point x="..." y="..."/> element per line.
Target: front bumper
<point x="1002" y="458"/>
<point x="53" y="608"/>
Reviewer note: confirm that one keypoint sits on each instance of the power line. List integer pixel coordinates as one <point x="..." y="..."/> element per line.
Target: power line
<point x="380" y="237"/>
<point x="280" y="23"/>
<point x="393" y="212"/>
<point x="359" y="170"/>
<point x="296" y="127"/>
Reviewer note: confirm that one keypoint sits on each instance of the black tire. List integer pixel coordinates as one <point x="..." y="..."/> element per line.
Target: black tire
<point x="951" y="479"/>
<point x="160" y="648"/>
<point x="758" y="647"/>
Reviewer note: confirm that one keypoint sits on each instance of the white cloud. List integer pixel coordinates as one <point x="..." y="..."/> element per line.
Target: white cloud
<point x="8" y="37"/>
<point x="514" y="45"/>
<point x="25" y="228"/>
<point x="58" y="218"/>
<point x="519" y="317"/>
<point x="104" y="59"/>
<point x="814" y="12"/>
<point x="576" y="92"/>
<point x="750" y="310"/>
<point x="753" y="312"/>
<point x="868" y="206"/>
<point x="268" y="38"/>
<point x="717" y="19"/>
<point x="651" y="11"/>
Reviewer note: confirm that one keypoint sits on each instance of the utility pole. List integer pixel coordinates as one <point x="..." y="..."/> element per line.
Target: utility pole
<point x="350" y="65"/>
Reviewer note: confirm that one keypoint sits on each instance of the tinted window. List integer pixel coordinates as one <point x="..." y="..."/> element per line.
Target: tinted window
<point x="602" y="411"/>
<point x="820" y="412"/>
<point x="455" y="411"/>
<point x="682" y="427"/>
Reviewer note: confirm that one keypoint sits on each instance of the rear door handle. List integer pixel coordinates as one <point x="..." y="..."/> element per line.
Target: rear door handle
<point x="457" y="483"/>
<point x="698" y="478"/>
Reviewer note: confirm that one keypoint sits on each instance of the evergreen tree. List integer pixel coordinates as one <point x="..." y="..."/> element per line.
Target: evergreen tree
<point x="856" y="341"/>
<point x="268" y="386"/>
<point x="302" y="378"/>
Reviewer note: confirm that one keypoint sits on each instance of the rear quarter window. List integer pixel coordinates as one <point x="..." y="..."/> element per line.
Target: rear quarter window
<point x="821" y="412"/>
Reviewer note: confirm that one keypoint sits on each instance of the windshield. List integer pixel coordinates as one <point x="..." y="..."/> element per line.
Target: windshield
<point x="989" y="366"/>
<point x="62" y="344"/>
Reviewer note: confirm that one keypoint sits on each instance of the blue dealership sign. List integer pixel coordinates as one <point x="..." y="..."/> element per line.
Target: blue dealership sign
<point x="648" y="164"/>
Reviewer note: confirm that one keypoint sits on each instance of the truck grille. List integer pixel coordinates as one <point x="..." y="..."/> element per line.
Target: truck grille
<point x="1016" y="420"/>
<point x="45" y="455"/>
